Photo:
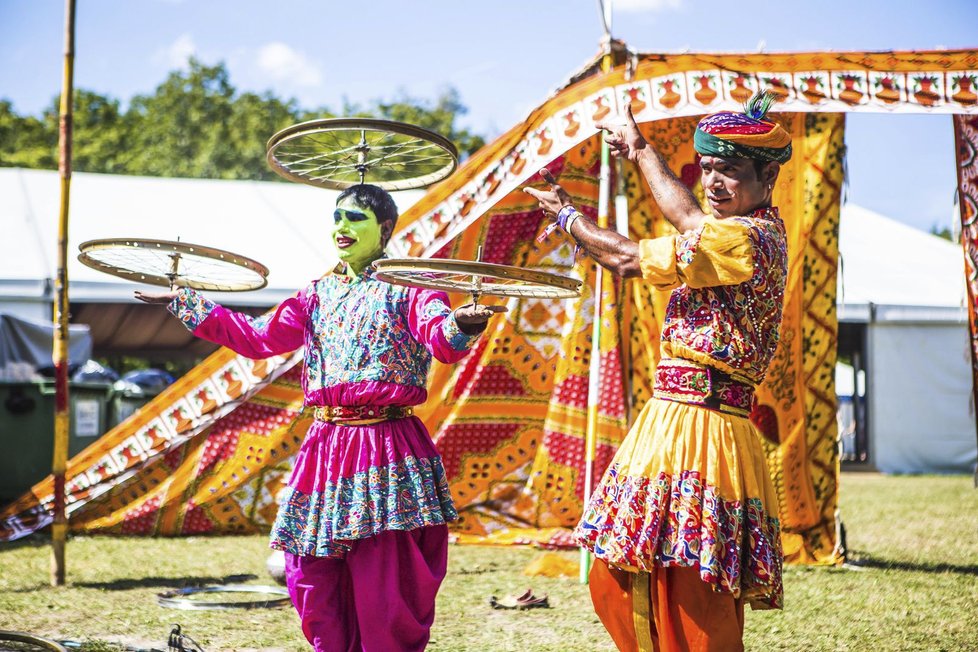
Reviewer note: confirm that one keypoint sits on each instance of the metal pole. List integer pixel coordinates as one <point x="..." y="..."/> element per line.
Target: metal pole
<point x="594" y="370"/>
<point x="59" y="528"/>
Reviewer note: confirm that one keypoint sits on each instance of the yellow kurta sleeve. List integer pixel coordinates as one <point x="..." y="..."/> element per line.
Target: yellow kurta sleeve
<point x="719" y="252"/>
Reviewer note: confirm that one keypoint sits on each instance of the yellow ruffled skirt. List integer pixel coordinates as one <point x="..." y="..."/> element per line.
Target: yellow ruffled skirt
<point x="689" y="487"/>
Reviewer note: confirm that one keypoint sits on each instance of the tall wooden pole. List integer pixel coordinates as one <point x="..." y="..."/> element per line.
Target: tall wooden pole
<point x="59" y="528"/>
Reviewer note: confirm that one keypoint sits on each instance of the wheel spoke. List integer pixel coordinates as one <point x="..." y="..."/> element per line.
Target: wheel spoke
<point x="330" y="153"/>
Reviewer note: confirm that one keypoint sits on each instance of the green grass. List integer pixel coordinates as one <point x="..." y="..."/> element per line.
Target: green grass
<point x="913" y="585"/>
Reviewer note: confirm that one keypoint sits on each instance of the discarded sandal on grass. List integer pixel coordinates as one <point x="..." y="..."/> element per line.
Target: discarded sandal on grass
<point x="525" y="601"/>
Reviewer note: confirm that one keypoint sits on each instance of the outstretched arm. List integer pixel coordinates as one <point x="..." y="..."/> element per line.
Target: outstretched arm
<point x="274" y="333"/>
<point x="611" y="250"/>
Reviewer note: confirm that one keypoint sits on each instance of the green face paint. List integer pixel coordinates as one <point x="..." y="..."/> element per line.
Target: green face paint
<point x="356" y="235"/>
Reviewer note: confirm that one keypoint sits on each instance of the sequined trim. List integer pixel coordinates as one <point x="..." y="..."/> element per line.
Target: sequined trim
<point x="406" y="495"/>
<point x="191" y="307"/>
<point x="678" y="520"/>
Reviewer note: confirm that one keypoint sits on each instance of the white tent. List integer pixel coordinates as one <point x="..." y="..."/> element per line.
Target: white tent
<point x="281" y="225"/>
<point x="904" y="291"/>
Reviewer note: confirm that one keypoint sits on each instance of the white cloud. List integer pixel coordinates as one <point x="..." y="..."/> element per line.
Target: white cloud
<point x="176" y="54"/>
<point x="636" y="6"/>
<point x="282" y="63"/>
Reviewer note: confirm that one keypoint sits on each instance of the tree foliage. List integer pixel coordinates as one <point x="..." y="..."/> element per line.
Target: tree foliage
<point x="195" y="124"/>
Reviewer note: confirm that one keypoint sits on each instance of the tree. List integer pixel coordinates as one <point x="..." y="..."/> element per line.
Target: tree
<point x="196" y="125"/>
<point x="183" y="129"/>
<point x="255" y="119"/>
<point x="100" y="142"/>
<point x="26" y="141"/>
<point x="438" y="116"/>
<point x="944" y="232"/>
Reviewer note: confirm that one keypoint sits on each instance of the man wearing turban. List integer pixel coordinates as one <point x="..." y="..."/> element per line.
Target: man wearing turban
<point x="684" y="524"/>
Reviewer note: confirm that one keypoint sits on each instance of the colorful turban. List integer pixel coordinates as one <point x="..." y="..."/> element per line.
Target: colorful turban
<point x="744" y="135"/>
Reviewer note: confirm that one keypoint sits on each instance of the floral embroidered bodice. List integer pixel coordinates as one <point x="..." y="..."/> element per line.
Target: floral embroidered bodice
<point x="354" y="330"/>
<point x="728" y="278"/>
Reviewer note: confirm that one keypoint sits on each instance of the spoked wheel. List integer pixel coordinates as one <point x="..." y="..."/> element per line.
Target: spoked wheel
<point x="227" y="596"/>
<point x="337" y="153"/>
<point x="172" y="264"/>
<point x="23" y="642"/>
<point x="477" y="279"/>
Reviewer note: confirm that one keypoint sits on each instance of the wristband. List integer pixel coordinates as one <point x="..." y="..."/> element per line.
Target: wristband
<point x="565" y="214"/>
<point x="570" y="222"/>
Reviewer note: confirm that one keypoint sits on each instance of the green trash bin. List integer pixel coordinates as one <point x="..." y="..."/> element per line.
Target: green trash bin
<point x="27" y="429"/>
<point x="124" y="403"/>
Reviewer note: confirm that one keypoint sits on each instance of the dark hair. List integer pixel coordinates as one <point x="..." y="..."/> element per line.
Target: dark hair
<point x="376" y="199"/>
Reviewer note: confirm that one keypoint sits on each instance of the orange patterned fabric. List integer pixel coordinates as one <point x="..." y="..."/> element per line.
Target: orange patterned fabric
<point x="207" y="456"/>
<point x="521" y="480"/>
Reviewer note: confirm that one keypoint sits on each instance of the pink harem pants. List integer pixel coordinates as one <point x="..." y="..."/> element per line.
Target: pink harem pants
<point x="379" y="598"/>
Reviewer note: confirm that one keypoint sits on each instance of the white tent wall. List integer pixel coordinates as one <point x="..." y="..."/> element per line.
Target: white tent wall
<point x="282" y="225"/>
<point x="921" y="413"/>
<point x="907" y="287"/>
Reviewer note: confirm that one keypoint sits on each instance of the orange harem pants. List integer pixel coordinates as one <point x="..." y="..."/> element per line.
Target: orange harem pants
<point x="667" y="610"/>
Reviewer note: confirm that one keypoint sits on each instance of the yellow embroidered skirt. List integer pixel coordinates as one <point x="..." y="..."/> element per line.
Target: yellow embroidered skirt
<point x="689" y="487"/>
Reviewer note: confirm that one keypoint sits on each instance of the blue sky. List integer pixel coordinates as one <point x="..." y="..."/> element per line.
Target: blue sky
<point x="503" y="56"/>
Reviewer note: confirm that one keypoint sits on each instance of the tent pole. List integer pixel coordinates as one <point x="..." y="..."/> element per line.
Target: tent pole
<point x="594" y="364"/>
<point x="59" y="527"/>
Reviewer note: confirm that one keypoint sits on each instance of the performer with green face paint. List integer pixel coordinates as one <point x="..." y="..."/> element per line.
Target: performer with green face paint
<point x="363" y="519"/>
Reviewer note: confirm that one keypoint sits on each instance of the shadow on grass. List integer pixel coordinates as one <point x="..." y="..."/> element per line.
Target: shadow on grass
<point x="864" y="560"/>
<point x="164" y="582"/>
<point x="30" y="541"/>
<point x="127" y="584"/>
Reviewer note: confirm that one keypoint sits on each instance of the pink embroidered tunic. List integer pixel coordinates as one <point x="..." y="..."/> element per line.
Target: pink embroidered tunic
<point x="367" y="343"/>
<point x="689" y="485"/>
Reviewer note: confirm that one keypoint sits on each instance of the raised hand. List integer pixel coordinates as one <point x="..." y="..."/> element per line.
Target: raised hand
<point x="163" y="298"/>
<point x="624" y="139"/>
<point x="551" y="201"/>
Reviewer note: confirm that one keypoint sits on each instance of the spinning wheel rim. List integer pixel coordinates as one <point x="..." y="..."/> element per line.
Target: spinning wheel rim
<point x="38" y="641"/>
<point x="532" y="283"/>
<point x="279" y="145"/>
<point x="90" y="250"/>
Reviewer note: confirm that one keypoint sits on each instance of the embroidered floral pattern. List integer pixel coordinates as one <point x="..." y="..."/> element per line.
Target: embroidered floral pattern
<point x="686" y="246"/>
<point x="409" y="494"/>
<point x="359" y="331"/>
<point x="191" y="308"/>
<point x="688" y="382"/>
<point x="456" y="338"/>
<point x="737" y="325"/>
<point x="681" y="521"/>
